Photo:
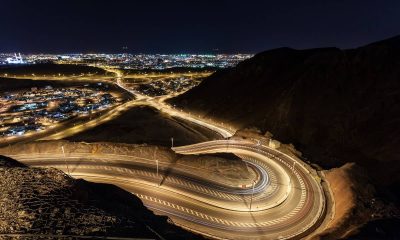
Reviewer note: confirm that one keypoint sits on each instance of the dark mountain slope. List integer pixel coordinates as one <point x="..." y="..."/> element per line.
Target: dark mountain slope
<point x="335" y="105"/>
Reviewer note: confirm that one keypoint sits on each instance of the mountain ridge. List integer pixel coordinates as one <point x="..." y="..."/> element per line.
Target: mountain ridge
<point x="335" y="105"/>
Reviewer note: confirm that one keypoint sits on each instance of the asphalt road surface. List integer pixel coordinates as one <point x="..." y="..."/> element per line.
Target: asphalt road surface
<point x="287" y="200"/>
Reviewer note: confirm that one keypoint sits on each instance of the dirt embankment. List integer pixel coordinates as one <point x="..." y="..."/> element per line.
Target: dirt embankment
<point x="227" y="169"/>
<point x="355" y="202"/>
<point x="146" y="125"/>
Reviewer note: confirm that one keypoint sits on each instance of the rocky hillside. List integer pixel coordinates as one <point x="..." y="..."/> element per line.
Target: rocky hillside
<point x="335" y="105"/>
<point x="45" y="202"/>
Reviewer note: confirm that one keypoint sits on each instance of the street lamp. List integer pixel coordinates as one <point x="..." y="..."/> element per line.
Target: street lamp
<point x="252" y="193"/>
<point x="65" y="159"/>
<point x="290" y="177"/>
<point x="294" y="163"/>
<point x="157" y="167"/>
<point x="154" y="158"/>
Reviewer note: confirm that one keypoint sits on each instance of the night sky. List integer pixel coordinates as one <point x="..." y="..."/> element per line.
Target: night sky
<point x="177" y="26"/>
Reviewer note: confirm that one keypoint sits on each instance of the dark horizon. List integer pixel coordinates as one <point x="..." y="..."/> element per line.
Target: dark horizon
<point x="179" y="27"/>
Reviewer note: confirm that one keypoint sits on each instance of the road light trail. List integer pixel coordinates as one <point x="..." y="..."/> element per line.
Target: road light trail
<point x="297" y="213"/>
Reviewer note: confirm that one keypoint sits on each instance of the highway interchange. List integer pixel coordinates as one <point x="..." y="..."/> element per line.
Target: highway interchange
<point x="286" y="201"/>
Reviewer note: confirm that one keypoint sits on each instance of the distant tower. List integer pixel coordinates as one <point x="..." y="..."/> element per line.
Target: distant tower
<point x="18" y="58"/>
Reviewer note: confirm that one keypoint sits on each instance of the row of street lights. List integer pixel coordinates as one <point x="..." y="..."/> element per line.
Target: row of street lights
<point x="154" y="156"/>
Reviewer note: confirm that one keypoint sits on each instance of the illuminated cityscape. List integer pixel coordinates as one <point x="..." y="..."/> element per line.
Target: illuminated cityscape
<point x="38" y="109"/>
<point x="195" y="120"/>
<point x="131" y="61"/>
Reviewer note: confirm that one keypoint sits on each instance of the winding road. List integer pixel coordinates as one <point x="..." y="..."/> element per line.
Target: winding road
<point x="286" y="200"/>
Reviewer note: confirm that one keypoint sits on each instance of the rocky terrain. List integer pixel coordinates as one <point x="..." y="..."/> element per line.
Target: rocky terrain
<point x="336" y="106"/>
<point x="41" y="201"/>
<point x="356" y="204"/>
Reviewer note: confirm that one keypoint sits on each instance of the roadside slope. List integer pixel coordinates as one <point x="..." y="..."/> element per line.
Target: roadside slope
<point x="42" y="201"/>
